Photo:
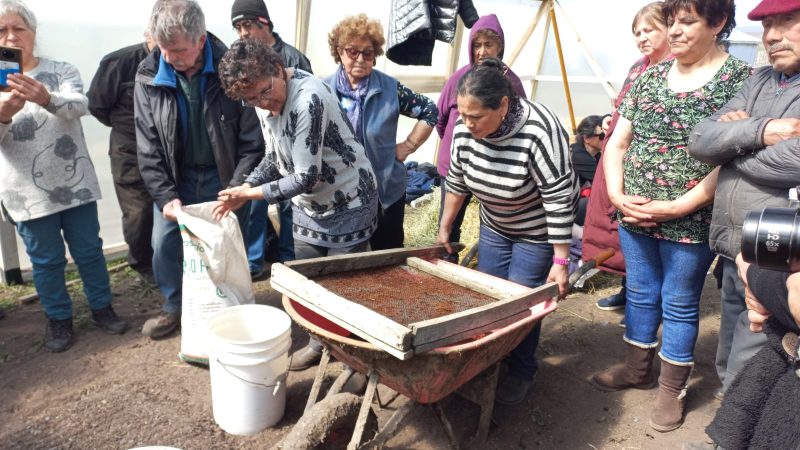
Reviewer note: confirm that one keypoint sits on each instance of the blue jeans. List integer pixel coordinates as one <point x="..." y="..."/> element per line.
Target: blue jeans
<point x="258" y="229"/>
<point x="664" y="283"/>
<point x="45" y="247"/>
<point x="523" y="263"/>
<point x="196" y="186"/>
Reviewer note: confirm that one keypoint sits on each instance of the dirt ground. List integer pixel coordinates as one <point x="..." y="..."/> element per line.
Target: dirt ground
<point x="121" y="392"/>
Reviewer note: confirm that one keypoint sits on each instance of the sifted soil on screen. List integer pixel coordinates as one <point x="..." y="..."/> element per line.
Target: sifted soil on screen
<point x="403" y="294"/>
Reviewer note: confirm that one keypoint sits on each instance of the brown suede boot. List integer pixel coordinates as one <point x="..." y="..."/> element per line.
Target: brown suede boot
<point x="667" y="413"/>
<point x="636" y="373"/>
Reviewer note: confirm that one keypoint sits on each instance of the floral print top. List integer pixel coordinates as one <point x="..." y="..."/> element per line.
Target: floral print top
<point x="656" y="164"/>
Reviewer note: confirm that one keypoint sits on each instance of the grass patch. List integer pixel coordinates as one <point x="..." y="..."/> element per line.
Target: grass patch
<point x="10" y="295"/>
<point x="422" y="224"/>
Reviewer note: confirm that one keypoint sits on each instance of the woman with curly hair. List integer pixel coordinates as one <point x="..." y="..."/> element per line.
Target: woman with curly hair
<point x="312" y="159"/>
<point x="49" y="187"/>
<point x="374" y="102"/>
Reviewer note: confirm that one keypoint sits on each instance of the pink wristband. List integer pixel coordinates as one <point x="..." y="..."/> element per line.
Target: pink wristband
<point x="560" y="261"/>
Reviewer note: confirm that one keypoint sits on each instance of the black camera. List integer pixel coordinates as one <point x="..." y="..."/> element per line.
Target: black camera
<point x="771" y="237"/>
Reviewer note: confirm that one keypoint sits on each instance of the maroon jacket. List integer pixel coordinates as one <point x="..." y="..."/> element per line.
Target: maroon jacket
<point x="600" y="228"/>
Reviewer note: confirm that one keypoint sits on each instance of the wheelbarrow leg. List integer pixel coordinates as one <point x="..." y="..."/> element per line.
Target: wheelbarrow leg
<point x="364" y="411"/>
<point x="340" y="381"/>
<point x="451" y="436"/>
<point x="481" y="391"/>
<point x="314" y="394"/>
<point x="391" y="425"/>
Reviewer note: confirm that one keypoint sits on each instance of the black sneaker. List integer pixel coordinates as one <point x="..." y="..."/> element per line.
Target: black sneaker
<point x="59" y="335"/>
<point x="107" y="320"/>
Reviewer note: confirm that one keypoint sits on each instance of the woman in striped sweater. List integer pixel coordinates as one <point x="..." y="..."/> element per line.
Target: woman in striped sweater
<point x="513" y="156"/>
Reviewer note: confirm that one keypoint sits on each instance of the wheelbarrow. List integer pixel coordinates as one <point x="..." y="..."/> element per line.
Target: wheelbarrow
<point x="426" y="378"/>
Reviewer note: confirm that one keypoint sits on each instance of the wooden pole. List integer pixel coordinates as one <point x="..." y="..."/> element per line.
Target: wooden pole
<point x="455" y="48"/>
<point x="9" y="258"/>
<point x="543" y="8"/>
<point x="598" y="71"/>
<point x="452" y="66"/>
<point x="538" y="66"/>
<point x="563" y="69"/>
<point x="301" y="25"/>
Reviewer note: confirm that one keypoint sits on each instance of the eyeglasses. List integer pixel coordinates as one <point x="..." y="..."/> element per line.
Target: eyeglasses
<point x="261" y="97"/>
<point x="246" y="25"/>
<point x="602" y="135"/>
<point x="352" y="53"/>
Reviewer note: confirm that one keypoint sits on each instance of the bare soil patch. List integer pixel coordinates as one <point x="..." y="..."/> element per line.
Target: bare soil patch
<point x="120" y="392"/>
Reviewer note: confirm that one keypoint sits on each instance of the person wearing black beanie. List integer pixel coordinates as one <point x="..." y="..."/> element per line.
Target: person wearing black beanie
<point x="250" y="10"/>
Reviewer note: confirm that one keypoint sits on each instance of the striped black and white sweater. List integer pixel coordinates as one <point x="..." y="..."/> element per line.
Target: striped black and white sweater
<point x="523" y="179"/>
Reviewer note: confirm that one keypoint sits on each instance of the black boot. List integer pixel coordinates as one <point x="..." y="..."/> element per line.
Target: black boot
<point x="107" y="320"/>
<point x="59" y="335"/>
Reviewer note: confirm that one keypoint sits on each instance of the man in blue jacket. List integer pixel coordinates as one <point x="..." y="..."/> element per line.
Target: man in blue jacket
<point x="192" y="140"/>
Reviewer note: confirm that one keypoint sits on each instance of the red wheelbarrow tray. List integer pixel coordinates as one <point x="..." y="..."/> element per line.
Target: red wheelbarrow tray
<point x="428" y="376"/>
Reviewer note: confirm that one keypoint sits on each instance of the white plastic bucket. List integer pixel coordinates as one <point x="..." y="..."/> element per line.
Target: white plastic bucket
<point x="249" y="360"/>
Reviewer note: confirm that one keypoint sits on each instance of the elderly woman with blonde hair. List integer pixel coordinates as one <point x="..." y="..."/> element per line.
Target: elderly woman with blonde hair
<point x="373" y="102"/>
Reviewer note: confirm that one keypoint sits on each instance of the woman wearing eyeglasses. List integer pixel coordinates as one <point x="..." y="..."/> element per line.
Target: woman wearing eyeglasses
<point x="374" y="102"/>
<point x="311" y="156"/>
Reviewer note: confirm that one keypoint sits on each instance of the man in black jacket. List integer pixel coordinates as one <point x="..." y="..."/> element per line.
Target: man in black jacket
<point x="192" y="140"/>
<point x="251" y="20"/>
<point x="111" y="102"/>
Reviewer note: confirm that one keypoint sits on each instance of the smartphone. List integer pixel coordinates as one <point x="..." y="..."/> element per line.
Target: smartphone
<point x="10" y="62"/>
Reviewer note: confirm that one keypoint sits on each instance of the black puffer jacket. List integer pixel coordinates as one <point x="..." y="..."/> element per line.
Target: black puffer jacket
<point x="234" y="131"/>
<point x="415" y="25"/>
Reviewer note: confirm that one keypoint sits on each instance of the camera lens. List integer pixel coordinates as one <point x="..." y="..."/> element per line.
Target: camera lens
<point x="771" y="239"/>
<point x="8" y="54"/>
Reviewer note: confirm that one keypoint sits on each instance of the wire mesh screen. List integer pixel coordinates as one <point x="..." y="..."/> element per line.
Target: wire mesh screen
<point x="403" y="294"/>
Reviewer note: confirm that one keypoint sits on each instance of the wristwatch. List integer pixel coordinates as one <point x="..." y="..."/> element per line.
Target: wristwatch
<point x="560" y="261"/>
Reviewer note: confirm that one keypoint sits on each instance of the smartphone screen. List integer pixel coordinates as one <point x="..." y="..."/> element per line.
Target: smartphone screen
<point x="10" y="62"/>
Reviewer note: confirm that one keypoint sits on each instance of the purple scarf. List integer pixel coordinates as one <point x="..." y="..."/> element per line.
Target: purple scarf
<point x="351" y="99"/>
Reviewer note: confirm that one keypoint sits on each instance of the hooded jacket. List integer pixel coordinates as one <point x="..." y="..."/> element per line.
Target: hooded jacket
<point x="752" y="176"/>
<point x="233" y="130"/>
<point x="415" y="26"/>
<point x="448" y="109"/>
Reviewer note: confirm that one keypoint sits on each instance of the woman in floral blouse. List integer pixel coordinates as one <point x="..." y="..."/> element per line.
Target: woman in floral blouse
<point x="663" y="197"/>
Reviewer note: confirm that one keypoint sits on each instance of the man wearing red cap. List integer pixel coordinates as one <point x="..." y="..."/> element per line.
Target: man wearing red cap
<point x="756" y="140"/>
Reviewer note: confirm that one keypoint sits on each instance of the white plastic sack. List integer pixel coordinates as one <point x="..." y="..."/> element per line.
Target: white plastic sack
<point x="215" y="274"/>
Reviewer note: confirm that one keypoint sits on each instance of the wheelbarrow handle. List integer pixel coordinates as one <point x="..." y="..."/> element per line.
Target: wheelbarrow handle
<point x="599" y="259"/>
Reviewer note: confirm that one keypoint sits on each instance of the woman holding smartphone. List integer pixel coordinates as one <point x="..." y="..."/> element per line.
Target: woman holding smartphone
<point x="48" y="185"/>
